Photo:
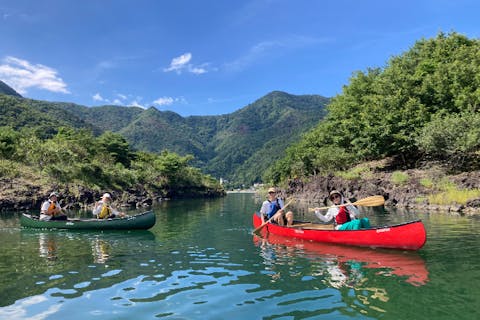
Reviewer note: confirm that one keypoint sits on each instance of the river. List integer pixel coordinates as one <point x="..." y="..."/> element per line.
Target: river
<point x="200" y="261"/>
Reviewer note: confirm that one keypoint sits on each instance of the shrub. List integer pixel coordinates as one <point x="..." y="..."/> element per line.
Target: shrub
<point x="399" y="178"/>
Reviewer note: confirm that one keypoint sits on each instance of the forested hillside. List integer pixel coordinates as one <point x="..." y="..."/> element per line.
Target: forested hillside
<point x="5" y="89"/>
<point x="422" y="106"/>
<point x="237" y="147"/>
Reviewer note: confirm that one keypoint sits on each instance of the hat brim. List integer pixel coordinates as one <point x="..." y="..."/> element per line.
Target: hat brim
<point x="336" y="193"/>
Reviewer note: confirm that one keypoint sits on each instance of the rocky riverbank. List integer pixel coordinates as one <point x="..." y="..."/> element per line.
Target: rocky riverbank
<point x="413" y="193"/>
<point x="19" y="194"/>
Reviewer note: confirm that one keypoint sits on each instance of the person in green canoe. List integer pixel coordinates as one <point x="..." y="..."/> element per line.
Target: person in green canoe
<point x="51" y="209"/>
<point x="103" y="208"/>
<point x="343" y="213"/>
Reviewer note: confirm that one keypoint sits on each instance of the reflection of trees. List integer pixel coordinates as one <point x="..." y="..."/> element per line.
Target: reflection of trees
<point x="39" y="260"/>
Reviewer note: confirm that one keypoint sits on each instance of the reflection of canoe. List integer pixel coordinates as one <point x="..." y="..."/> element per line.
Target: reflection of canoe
<point x="403" y="264"/>
<point x="144" y="220"/>
<point x="409" y="236"/>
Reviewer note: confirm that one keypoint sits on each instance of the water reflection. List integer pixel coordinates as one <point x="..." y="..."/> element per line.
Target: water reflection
<point x="47" y="246"/>
<point x="344" y="266"/>
<point x="100" y="250"/>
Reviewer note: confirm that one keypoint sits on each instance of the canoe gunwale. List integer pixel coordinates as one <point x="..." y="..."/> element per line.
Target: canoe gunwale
<point x="332" y="229"/>
<point x="408" y="235"/>
<point x="144" y="220"/>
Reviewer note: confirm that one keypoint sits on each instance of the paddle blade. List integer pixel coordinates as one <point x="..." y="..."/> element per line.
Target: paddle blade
<point x="372" y="201"/>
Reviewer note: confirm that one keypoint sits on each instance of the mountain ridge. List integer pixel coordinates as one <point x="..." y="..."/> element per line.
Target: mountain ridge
<point x="6" y="89"/>
<point x="238" y="146"/>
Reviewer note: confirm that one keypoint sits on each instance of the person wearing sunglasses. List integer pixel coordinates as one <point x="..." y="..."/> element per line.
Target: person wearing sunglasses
<point x="344" y="217"/>
<point x="273" y="207"/>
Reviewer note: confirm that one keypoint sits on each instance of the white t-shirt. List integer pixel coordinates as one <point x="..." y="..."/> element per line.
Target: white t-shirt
<point x="266" y="205"/>
<point x="43" y="210"/>
<point x="332" y="213"/>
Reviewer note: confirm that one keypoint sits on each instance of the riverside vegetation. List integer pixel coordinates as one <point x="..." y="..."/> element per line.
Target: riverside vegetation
<point x="81" y="166"/>
<point x="419" y="113"/>
<point x="409" y="131"/>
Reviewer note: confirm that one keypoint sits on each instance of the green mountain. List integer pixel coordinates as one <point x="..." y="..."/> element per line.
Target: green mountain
<point x="41" y="116"/>
<point x="253" y="137"/>
<point x="236" y="147"/>
<point x="6" y="89"/>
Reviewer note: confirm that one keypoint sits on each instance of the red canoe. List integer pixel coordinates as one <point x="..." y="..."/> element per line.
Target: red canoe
<point x="407" y="236"/>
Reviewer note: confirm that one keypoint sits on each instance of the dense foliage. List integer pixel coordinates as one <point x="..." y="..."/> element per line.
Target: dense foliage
<point x="237" y="147"/>
<point x="106" y="162"/>
<point x="422" y="104"/>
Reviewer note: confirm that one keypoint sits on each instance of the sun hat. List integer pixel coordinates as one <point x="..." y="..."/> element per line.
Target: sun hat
<point x="107" y="195"/>
<point x="53" y="194"/>
<point x="334" y="192"/>
<point x="272" y="190"/>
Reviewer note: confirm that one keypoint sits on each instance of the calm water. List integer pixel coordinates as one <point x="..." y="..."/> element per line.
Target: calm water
<point x="200" y="261"/>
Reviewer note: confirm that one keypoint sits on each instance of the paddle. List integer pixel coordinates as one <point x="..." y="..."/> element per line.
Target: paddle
<point x="372" y="201"/>
<point x="269" y="220"/>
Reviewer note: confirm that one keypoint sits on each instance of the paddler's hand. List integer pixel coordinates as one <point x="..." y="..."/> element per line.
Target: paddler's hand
<point x="278" y="214"/>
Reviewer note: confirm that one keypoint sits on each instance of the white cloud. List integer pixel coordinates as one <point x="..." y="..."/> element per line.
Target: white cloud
<point x="164" y="101"/>
<point x="135" y="103"/>
<point x="97" y="97"/>
<point x="167" y="101"/>
<point x="197" y="70"/>
<point x="182" y="63"/>
<point x="179" y="63"/>
<point x="21" y="75"/>
<point x="120" y="99"/>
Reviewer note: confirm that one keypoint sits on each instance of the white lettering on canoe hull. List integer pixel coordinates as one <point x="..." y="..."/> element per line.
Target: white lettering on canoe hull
<point x="383" y="230"/>
<point x="299" y="231"/>
<point x="69" y="223"/>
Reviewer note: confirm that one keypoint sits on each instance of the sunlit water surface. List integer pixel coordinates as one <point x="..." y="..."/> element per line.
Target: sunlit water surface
<point x="200" y="261"/>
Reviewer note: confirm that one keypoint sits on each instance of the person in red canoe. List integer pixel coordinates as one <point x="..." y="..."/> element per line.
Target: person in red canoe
<point x="273" y="207"/>
<point x="345" y="217"/>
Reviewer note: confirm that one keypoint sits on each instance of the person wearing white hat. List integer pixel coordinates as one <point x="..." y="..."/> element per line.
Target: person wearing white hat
<point x="51" y="209"/>
<point x="344" y="217"/>
<point x="103" y="208"/>
<point x="273" y="207"/>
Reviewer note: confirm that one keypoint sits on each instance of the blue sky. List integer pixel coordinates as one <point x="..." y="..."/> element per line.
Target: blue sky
<point x="208" y="57"/>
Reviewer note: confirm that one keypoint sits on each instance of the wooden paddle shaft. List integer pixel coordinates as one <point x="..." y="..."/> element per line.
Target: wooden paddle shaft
<point x="269" y="220"/>
<point x="372" y="201"/>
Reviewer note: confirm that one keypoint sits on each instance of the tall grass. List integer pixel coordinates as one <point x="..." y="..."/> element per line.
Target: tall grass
<point x="358" y="172"/>
<point x="450" y="193"/>
<point x="454" y="195"/>
<point x="399" y="178"/>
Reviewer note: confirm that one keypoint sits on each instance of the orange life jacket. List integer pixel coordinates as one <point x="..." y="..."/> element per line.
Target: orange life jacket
<point x="51" y="208"/>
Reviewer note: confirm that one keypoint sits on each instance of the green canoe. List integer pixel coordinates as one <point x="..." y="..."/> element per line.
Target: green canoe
<point x="143" y="221"/>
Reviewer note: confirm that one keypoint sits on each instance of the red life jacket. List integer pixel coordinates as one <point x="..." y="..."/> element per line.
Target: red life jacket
<point x="342" y="216"/>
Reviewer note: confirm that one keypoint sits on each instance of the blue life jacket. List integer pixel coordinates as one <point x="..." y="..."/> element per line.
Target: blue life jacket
<point x="274" y="207"/>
